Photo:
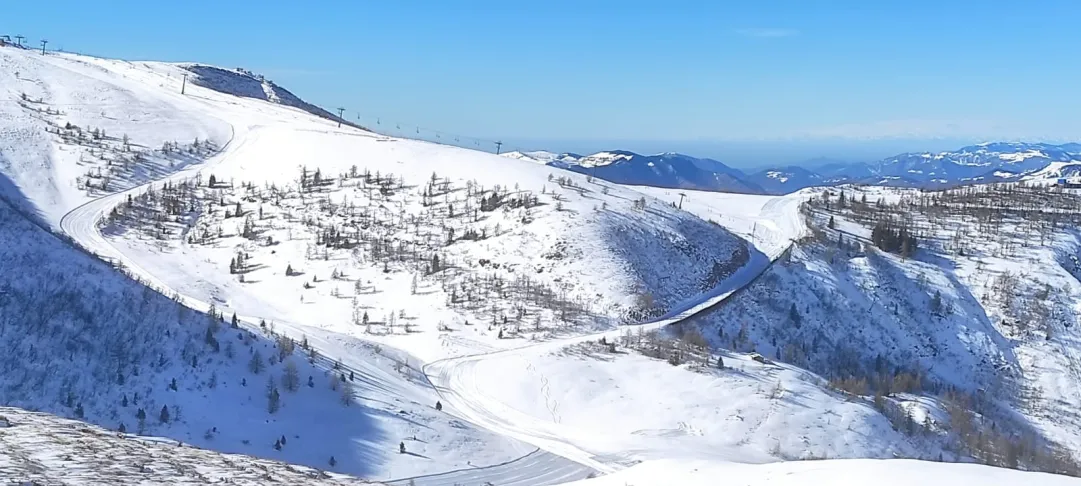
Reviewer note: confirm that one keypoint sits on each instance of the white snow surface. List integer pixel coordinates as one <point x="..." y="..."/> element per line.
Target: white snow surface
<point x="771" y="223"/>
<point x="113" y="96"/>
<point x="849" y="472"/>
<point x="37" y="448"/>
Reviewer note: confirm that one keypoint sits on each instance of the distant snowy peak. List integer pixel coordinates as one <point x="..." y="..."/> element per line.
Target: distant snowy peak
<point x="602" y="159"/>
<point x="1057" y="170"/>
<point x="986" y="162"/>
<point x="241" y="82"/>
<point x="974" y="164"/>
<point x="783" y="180"/>
<point x="541" y="156"/>
<point x="669" y="169"/>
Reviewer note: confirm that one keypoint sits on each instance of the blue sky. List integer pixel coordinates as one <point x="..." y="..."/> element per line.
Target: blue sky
<point x="653" y="76"/>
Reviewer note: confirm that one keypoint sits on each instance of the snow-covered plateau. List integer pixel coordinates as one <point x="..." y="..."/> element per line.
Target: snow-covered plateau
<point x="226" y="284"/>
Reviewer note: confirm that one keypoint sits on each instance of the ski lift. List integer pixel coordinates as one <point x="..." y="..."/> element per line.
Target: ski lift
<point x="456" y="139"/>
<point x="377" y="122"/>
<point x="418" y="129"/>
<point x="399" y="126"/>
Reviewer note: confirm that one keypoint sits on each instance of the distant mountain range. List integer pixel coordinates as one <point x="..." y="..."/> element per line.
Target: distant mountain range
<point x="988" y="162"/>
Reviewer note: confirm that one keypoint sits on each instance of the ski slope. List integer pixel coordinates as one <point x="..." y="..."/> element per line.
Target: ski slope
<point x="459" y="445"/>
<point x="270" y="140"/>
<point x="771" y="223"/>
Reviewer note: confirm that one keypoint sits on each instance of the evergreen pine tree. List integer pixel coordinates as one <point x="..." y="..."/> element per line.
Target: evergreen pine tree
<point x="273" y="397"/>
<point x="256" y="365"/>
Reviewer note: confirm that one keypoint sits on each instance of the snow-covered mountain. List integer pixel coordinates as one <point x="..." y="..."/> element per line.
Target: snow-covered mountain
<point x="971" y="318"/>
<point x="984" y="163"/>
<point x="263" y="210"/>
<point x="38" y="448"/>
<point x="241" y="82"/>
<point x="784" y="180"/>
<point x="974" y="164"/>
<point x="987" y="162"/>
<point x="670" y="170"/>
<point x="421" y="314"/>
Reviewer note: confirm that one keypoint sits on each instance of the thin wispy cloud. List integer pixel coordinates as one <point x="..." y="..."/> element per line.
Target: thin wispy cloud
<point x="767" y="32"/>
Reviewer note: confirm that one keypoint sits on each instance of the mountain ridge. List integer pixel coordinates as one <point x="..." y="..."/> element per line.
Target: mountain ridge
<point x="971" y="164"/>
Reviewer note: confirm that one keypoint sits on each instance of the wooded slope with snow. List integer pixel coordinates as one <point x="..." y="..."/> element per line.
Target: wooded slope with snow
<point x="952" y="311"/>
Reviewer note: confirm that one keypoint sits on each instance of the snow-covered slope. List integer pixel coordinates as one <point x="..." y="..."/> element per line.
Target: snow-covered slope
<point x="770" y="223"/>
<point x="623" y="407"/>
<point x="499" y="252"/>
<point x="37" y="448"/>
<point x="241" y="82"/>
<point x="83" y="341"/>
<point x="980" y="319"/>
<point x="71" y="130"/>
<point x="579" y="253"/>
<point x="856" y="472"/>
<point x="417" y="272"/>
<point x="123" y="345"/>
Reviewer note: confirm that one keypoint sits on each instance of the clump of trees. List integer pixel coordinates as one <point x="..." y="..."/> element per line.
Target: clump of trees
<point x="894" y="238"/>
